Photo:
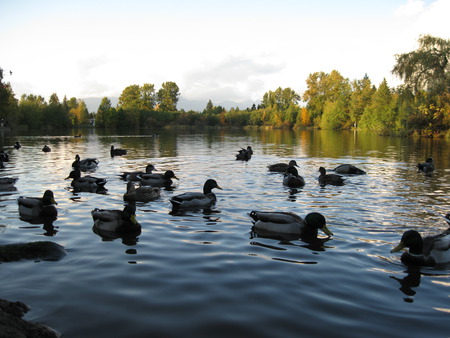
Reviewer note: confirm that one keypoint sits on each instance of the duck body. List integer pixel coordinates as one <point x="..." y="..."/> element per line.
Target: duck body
<point x="7" y="182"/>
<point x="289" y="223"/>
<point x="158" y="180"/>
<point x="38" y="206"/>
<point x="282" y="167"/>
<point x="427" y="166"/>
<point x="117" y="152"/>
<point x="85" y="164"/>
<point x="86" y="183"/>
<point x="116" y="221"/>
<point x="4" y="156"/>
<point x="17" y="145"/>
<point x="332" y="179"/>
<point x="46" y="149"/>
<point x="292" y="179"/>
<point x="244" y="154"/>
<point x="348" y="169"/>
<point x="428" y="251"/>
<point x="196" y="200"/>
<point x="137" y="175"/>
<point x="141" y="194"/>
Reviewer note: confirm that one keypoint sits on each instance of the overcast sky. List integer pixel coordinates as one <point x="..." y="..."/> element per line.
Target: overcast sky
<point x="233" y="50"/>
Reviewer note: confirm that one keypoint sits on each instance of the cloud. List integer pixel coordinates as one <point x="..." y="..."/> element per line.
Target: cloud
<point x="235" y="78"/>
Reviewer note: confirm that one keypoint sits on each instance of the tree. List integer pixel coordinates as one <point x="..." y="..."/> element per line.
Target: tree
<point x="168" y="96"/>
<point x="148" y="96"/>
<point x="130" y="98"/>
<point x="8" y="103"/>
<point x="426" y="68"/>
<point x="360" y="98"/>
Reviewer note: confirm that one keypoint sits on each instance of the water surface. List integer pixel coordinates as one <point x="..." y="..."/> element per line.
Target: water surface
<point x="204" y="273"/>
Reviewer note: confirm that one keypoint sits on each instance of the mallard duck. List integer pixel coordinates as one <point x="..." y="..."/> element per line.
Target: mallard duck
<point x="46" y="149"/>
<point x="332" y="179"/>
<point x="428" y="251"/>
<point x="17" y="145"/>
<point x="289" y="223"/>
<point x="117" y="221"/>
<point x="141" y="194"/>
<point x="7" y="182"/>
<point x="1" y="165"/>
<point x="282" y="167"/>
<point x="38" y="206"/>
<point x="292" y="179"/>
<point x="85" y="164"/>
<point x="158" y="180"/>
<point x="117" y="152"/>
<point x="4" y="156"/>
<point x="426" y="167"/>
<point x="86" y="183"/>
<point x="348" y="169"/>
<point x="244" y="154"/>
<point x="447" y="218"/>
<point x="195" y="200"/>
<point x="136" y="175"/>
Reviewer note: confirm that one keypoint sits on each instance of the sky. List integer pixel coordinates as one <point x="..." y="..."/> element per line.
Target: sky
<point x="234" y="50"/>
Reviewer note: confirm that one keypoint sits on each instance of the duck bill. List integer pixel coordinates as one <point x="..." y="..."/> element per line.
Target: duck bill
<point x="52" y="201"/>
<point x="133" y="219"/>
<point x="175" y="178"/>
<point x="327" y="231"/>
<point x="219" y="187"/>
<point x="399" y="247"/>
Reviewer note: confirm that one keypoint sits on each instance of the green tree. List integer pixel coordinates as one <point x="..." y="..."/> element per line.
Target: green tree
<point x="31" y="109"/>
<point x="168" y="96"/>
<point x="8" y="103"/>
<point x="130" y="98"/>
<point x="360" y="98"/>
<point x="148" y="96"/>
<point x="381" y="114"/>
<point x="426" y="68"/>
<point x="102" y="112"/>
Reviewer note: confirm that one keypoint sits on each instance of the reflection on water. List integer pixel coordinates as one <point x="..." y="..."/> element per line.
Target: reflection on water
<point x="206" y="270"/>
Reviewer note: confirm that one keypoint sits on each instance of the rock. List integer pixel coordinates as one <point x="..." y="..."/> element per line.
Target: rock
<point x="12" y="324"/>
<point x="46" y="251"/>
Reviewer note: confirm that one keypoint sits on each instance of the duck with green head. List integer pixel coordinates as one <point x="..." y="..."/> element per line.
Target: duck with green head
<point x="116" y="221"/>
<point x="428" y="251"/>
<point x="38" y="206"/>
<point x="196" y="200"/>
<point x="289" y="223"/>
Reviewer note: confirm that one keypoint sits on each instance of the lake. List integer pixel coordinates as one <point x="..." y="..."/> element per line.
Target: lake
<point x="205" y="273"/>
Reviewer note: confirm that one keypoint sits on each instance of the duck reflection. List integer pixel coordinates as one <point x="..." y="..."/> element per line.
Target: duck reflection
<point x="410" y="281"/>
<point x="47" y="222"/>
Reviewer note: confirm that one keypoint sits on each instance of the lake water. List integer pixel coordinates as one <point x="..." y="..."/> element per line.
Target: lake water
<point x="205" y="274"/>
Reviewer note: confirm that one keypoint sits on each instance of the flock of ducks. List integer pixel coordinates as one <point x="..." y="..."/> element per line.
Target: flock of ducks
<point x="428" y="251"/>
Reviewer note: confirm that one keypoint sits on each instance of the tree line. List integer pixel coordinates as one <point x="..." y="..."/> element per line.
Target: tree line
<point x="331" y="101"/>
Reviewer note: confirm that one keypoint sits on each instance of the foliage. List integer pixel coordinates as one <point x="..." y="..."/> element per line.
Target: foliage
<point x="168" y="96"/>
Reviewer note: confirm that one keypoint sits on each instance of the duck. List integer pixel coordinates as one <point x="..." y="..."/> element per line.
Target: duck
<point x="46" y="149"/>
<point x="428" y="251"/>
<point x="79" y="135"/>
<point x="117" y="152"/>
<point x="86" y="183"/>
<point x="136" y="175"/>
<point x="332" y="179"/>
<point x="292" y="179"/>
<point x="1" y="165"/>
<point x="244" y="154"/>
<point x="348" y="169"/>
<point x="116" y="221"/>
<point x="85" y="164"/>
<point x="17" y="145"/>
<point x="4" y="156"/>
<point x="158" y="180"/>
<point x="282" y="167"/>
<point x="38" y="206"/>
<point x="289" y="223"/>
<point x="195" y="200"/>
<point x="447" y="218"/>
<point x="7" y="183"/>
<point x="141" y="194"/>
<point x="427" y="166"/>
